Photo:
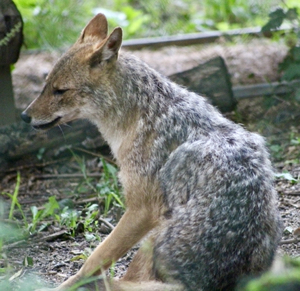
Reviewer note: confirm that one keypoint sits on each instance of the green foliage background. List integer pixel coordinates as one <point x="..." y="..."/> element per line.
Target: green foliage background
<point x="289" y="15"/>
<point x="57" y="23"/>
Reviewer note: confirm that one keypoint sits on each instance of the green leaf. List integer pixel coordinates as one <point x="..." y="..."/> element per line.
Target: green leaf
<point x="28" y="261"/>
<point x="15" y="197"/>
<point x="90" y="237"/>
<point x="292" y="14"/>
<point x="286" y="176"/>
<point x="34" y="212"/>
<point x="50" y="207"/>
<point x="295" y="51"/>
<point x="275" y="21"/>
<point x="292" y="72"/>
<point x="285" y="63"/>
<point x="277" y="14"/>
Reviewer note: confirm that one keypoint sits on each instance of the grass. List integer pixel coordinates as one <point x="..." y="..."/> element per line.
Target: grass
<point x="14" y="199"/>
<point x="288" y="278"/>
<point x="64" y="212"/>
<point x="8" y="230"/>
<point x="107" y="188"/>
<point x="61" y="214"/>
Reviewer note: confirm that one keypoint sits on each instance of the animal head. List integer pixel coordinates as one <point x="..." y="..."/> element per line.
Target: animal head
<point x="85" y="68"/>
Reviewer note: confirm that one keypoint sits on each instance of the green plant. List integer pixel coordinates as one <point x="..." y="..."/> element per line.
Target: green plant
<point x="14" y="199"/>
<point x="82" y="165"/>
<point x="228" y="14"/>
<point x="286" y="176"/>
<point x="108" y="187"/>
<point x="276" y="151"/>
<point x="286" y="278"/>
<point x="55" y="24"/>
<point x="69" y="218"/>
<point x="90" y="219"/>
<point x="290" y="67"/>
<point x="170" y="17"/>
<point x="52" y="24"/>
<point x="39" y="215"/>
<point x="132" y="21"/>
<point x="9" y="232"/>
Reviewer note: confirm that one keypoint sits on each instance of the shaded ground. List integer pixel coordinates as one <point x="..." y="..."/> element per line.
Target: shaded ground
<point x="42" y="176"/>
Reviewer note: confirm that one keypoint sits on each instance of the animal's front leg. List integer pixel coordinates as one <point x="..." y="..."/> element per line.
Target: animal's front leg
<point x="131" y="228"/>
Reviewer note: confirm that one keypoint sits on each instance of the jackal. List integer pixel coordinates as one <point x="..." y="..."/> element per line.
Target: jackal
<point x="198" y="184"/>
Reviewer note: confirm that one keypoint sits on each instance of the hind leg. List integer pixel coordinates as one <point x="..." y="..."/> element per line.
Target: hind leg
<point x="140" y="275"/>
<point x="141" y="267"/>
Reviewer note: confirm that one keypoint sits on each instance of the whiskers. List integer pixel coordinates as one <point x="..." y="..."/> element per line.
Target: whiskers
<point x="67" y="125"/>
<point x="60" y="128"/>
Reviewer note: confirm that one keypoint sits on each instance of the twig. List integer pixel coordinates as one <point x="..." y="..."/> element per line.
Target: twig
<point x="290" y="241"/>
<point x="51" y="236"/>
<point x="35" y="201"/>
<point x="287" y="203"/>
<point x="38" y="240"/>
<point x="14" y="245"/>
<point x="295" y="193"/>
<point x="107" y="223"/>
<point x="87" y="200"/>
<point x="66" y="176"/>
<point x="38" y="165"/>
<point x="96" y="155"/>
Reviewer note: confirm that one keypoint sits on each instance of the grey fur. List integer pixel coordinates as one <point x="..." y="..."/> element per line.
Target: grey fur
<point x="216" y="179"/>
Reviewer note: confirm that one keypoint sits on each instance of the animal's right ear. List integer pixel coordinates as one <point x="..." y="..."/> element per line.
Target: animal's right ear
<point x="96" y="29"/>
<point x="108" y="49"/>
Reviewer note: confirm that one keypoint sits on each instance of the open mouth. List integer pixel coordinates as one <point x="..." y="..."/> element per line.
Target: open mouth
<point x="47" y="125"/>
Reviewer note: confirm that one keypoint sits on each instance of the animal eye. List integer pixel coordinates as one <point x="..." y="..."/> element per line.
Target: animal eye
<point x="59" y="92"/>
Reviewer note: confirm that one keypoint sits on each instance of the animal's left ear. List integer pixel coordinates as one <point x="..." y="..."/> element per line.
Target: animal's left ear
<point x="96" y="29"/>
<point x="112" y="44"/>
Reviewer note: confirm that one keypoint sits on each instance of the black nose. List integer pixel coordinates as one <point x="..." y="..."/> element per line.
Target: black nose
<point x="25" y="117"/>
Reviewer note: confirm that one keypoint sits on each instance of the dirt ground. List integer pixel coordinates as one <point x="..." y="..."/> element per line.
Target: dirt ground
<point x="56" y="254"/>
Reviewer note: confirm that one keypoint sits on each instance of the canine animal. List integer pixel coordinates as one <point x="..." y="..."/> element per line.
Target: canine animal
<point x="201" y="185"/>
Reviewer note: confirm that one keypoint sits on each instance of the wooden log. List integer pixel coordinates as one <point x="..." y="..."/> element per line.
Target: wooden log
<point x="265" y="89"/>
<point x="212" y="80"/>
<point x="191" y="38"/>
<point x="20" y="139"/>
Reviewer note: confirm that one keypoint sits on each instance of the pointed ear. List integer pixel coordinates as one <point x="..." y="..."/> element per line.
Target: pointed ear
<point x="112" y="44"/>
<point x="96" y="28"/>
<point x="108" y="48"/>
